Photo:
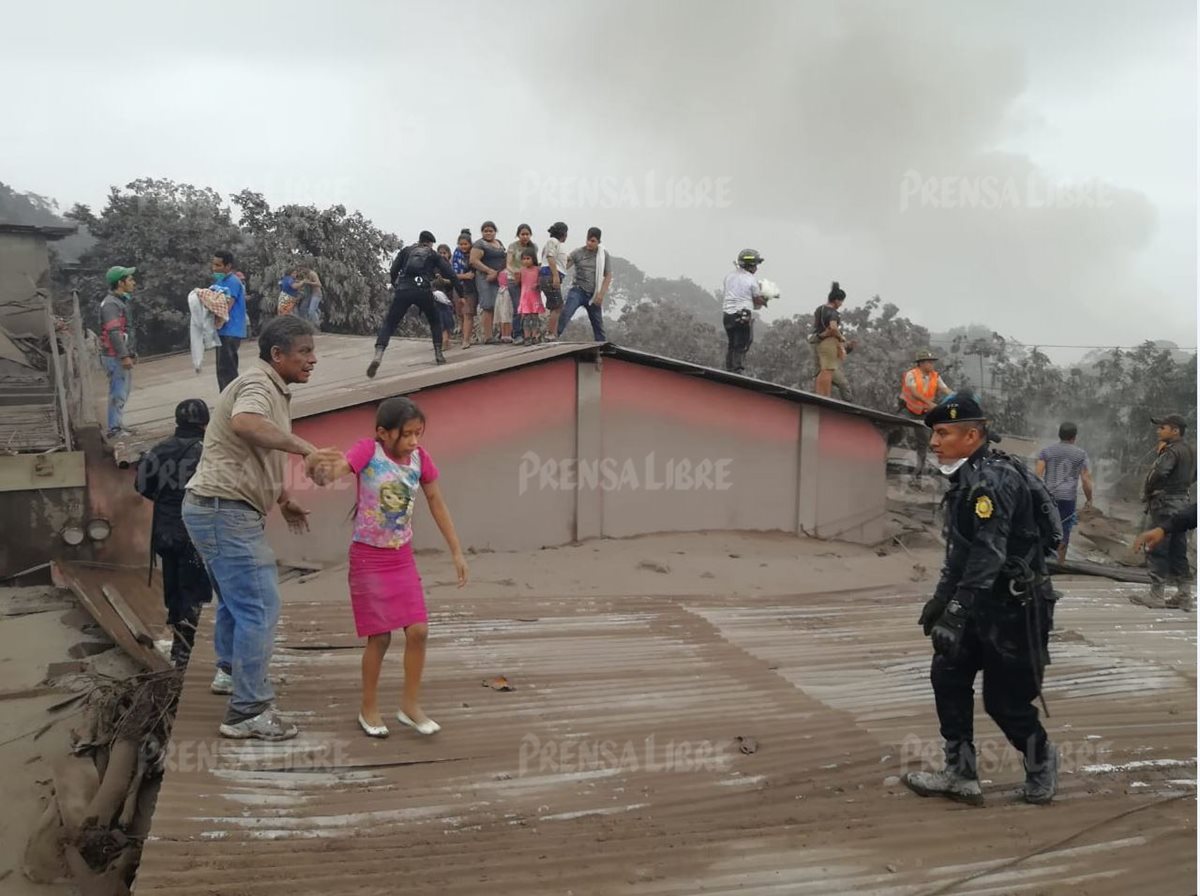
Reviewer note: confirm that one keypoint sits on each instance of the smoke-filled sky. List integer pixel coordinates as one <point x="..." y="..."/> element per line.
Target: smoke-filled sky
<point x="1027" y="165"/>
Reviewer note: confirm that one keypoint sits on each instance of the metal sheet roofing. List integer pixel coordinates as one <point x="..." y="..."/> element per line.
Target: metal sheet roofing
<point x="615" y="765"/>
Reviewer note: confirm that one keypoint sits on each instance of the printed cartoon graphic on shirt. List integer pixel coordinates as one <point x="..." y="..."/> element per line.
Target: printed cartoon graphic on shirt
<point x="395" y="501"/>
<point x="386" y="490"/>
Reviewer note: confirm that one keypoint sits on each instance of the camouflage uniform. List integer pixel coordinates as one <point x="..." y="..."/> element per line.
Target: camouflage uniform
<point x="1166" y="493"/>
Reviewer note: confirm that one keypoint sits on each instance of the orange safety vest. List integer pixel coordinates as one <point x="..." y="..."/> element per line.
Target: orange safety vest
<point x="918" y="400"/>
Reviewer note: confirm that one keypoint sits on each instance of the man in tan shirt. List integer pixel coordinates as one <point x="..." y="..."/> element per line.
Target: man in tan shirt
<point x="239" y="479"/>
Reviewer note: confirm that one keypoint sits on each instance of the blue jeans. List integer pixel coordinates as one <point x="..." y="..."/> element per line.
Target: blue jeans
<point x="231" y="538"/>
<point x="120" y="381"/>
<point x="576" y="299"/>
<point x="311" y="309"/>
<point x="1066" y="512"/>
<point x="514" y="293"/>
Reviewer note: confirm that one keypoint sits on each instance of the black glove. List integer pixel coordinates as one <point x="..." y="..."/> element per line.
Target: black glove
<point x="932" y="611"/>
<point x="948" y="630"/>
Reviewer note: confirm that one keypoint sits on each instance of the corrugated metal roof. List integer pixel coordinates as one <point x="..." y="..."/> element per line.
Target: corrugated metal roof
<point x="49" y="231"/>
<point x="757" y="385"/>
<point x="613" y="766"/>
<point x="340" y="380"/>
<point x="30" y="426"/>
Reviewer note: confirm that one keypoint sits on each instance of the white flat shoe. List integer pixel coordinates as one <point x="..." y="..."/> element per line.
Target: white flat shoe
<point x="429" y="726"/>
<point x="372" y="730"/>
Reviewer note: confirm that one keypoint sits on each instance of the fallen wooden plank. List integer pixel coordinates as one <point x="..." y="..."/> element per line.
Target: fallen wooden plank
<point x="135" y="625"/>
<point x="1083" y="568"/>
<point x="107" y="617"/>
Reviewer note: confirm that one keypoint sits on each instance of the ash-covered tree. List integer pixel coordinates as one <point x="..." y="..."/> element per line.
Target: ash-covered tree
<point x="349" y="253"/>
<point x="168" y="231"/>
<point x="662" y="328"/>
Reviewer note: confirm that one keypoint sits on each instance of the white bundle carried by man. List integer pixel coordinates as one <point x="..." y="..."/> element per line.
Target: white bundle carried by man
<point x="768" y="289"/>
<point x="203" y="322"/>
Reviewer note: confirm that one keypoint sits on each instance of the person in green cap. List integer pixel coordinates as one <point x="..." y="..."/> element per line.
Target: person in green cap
<point x="117" y="345"/>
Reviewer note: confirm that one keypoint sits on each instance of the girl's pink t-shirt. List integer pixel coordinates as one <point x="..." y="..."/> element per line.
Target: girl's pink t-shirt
<point x="531" y="295"/>
<point x="387" y="493"/>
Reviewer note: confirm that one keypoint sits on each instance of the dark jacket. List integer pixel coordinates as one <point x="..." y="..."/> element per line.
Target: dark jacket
<point x="161" y="476"/>
<point x="1173" y="471"/>
<point x="989" y="520"/>
<point x="416" y="267"/>
<point x="115" y="341"/>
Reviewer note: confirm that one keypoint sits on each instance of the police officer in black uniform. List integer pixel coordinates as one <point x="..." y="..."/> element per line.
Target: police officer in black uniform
<point x="993" y="606"/>
<point x="161" y="476"/>
<point x="412" y="274"/>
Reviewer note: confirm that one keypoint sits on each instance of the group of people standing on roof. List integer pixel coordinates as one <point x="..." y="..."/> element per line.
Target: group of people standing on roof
<point x="217" y="313"/>
<point x="514" y="293"/>
<point x="481" y="290"/>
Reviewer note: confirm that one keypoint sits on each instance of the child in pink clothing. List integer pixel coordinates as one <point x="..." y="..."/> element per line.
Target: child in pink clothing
<point x="385" y="589"/>
<point x="531" y="308"/>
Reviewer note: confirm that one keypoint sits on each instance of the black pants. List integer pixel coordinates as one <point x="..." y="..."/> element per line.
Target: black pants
<point x="1168" y="561"/>
<point x="227" y="361"/>
<point x="999" y="641"/>
<point x="404" y="299"/>
<point x="185" y="589"/>
<point x="741" y="336"/>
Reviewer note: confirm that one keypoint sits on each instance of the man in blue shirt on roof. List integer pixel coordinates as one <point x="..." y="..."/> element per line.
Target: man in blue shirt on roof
<point x="234" y="331"/>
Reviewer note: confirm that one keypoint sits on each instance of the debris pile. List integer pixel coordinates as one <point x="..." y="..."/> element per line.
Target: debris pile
<point x="93" y="827"/>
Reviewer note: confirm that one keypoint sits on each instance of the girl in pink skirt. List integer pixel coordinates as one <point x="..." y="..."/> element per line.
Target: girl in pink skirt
<point x="385" y="590"/>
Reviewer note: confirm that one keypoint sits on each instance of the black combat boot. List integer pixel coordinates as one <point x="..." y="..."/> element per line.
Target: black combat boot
<point x="438" y="356"/>
<point x="373" y="367"/>
<point x="957" y="781"/>
<point x="1041" y="778"/>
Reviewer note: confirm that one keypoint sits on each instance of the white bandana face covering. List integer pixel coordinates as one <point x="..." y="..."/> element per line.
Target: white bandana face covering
<point x="950" y="469"/>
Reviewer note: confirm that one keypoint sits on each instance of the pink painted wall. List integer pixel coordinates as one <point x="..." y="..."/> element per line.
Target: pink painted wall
<point x="852" y="487"/>
<point x="507" y="446"/>
<point x="658" y="423"/>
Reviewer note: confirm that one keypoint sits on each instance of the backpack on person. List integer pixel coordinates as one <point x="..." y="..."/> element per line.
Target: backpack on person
<point x="1045" y="508"/>
<point x="416" y="266"/>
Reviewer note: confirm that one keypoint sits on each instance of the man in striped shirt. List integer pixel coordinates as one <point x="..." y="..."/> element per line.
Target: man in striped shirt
<point x="1063" y="466"/>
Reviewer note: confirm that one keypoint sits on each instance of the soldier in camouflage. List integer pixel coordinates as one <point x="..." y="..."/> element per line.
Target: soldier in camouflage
<point x="1165" y="493"/>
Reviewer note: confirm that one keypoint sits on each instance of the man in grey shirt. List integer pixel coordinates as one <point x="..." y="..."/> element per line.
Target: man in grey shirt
<point x="1063" y="466"/>
<point x="590" y="263"/>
